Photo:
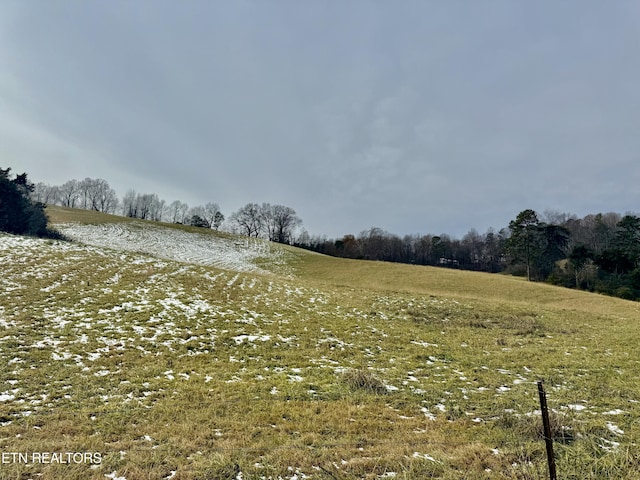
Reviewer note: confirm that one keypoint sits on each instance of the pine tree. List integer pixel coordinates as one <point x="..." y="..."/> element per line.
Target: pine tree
<point x="18" y="214"/>
<point x="526" y="243"/>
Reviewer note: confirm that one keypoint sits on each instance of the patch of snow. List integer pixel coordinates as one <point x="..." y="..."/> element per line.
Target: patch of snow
<point x="609" y="445"/>
<point x="424" y="344"/>
<point x="114" y="476"/>
<point x="251" y="338"/>
<point x="425" y="456"/>
<point x="615" y="429"/>
<point x="174" y="244"/>
<point x="6" y="396"/>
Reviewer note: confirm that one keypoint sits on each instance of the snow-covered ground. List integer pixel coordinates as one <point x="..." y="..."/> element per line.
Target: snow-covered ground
<point x="218" y="251"/>
<point x="90" y="310"/>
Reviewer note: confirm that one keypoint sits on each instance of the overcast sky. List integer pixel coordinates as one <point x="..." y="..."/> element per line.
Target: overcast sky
<point x="413" y="116"/>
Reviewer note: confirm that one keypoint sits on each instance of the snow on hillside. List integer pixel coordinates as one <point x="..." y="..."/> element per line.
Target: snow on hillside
<point x="237" y="254"/>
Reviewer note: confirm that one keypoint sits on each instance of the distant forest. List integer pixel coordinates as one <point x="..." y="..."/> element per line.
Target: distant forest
<point x="599" y="252"/>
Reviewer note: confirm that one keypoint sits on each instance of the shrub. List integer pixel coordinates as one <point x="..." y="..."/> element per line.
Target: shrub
<point x="18" y="213"/>
<point x="364" y="380"/>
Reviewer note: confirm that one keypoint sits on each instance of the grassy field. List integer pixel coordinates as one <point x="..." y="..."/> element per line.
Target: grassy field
<point x="328" y="369"/>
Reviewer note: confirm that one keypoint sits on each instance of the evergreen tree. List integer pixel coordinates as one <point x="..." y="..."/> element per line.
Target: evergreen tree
<point x="526" y="243"/>
<point x="18" y="213"/>
<point x="579" y="258"/>
<point x="198" y="221"/>
<point x="627" y="238"/>
<point x="555" y="243"/>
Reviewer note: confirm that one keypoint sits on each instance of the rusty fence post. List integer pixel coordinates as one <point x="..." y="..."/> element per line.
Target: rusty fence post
<point x="547" y="431"/>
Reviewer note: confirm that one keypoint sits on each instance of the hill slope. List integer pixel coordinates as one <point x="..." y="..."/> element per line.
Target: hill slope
<point x="174" y="242"/>
<point x="169" y="368"/>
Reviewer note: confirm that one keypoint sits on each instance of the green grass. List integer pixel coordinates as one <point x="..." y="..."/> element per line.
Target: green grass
<point x="346" y="369"/>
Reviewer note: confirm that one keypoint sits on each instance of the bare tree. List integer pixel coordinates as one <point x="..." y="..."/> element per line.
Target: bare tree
<point x="182" y="212"/>
<point x="69" y="193"/>
<point x="377" y="244"/>
<point x="44" y="193"/>
<point x="373" y="243"/>
<point x="248" y="219"/>
<point x="108" y="201"/>
<point x="555" y="217"/>
<point x="473" y="245"/>
<point x="266" y="220"/>
<point x="145" y="205"/>
<point x="177" y="211"/>
<point x="129" y="204"/>
<point x="303" y="239"/>
<point x="594" y="231"/>
<point x="38" y="192"/>
<point x="156" y="208"/>
<point x="101" y="197"/>
<point x="213" y="215"/>
<point x="83" y="188"/>
<point x="93" y="189"/>
<point x="279" y="222"/>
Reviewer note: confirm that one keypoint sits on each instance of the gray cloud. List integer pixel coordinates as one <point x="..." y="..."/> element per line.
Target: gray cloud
<point x="413" y="116"/>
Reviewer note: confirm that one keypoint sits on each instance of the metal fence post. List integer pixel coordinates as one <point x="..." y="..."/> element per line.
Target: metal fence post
<point x="547" y="431"/>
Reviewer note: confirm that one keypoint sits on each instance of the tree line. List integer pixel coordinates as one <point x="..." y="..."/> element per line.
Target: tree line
<point x="599" y="252"/>
<point x="277" y="223"/>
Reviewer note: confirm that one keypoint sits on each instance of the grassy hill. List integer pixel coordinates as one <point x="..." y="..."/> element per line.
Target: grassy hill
<point x="172" y="363"/>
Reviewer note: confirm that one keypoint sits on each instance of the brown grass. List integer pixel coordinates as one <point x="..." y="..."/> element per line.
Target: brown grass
<point x="364" y="369"/>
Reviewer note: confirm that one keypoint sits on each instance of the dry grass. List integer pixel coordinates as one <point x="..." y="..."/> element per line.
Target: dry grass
<point x="364" y="380"/>
<point x="350" y="370"/>
<point x="58" y="214"/>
